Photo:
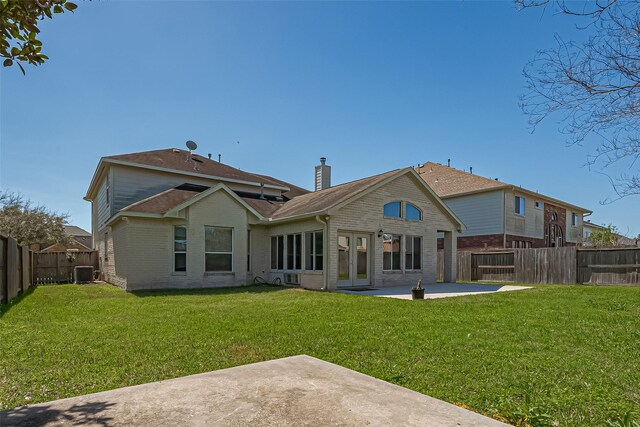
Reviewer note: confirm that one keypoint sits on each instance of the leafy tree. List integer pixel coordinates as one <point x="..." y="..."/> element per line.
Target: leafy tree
<point x="593" y="86"/>
<point x="604" y="238"/>
<point x="19" y="31"/>
<point x="31" y="224"/>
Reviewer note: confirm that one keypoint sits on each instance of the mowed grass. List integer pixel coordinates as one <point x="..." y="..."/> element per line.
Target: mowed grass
<point x="569" y="352"/>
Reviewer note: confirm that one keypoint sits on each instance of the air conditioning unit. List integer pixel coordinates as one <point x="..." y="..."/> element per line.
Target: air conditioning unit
<point x="292" y="279"/>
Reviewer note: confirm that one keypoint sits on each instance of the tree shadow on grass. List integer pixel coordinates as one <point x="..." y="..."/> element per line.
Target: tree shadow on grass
<point x="4" y="308"/>
<point x="43" y="414"/>
<point x="252" y="289"/>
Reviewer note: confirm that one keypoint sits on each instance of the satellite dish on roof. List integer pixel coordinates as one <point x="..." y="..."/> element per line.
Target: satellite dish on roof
<point x="191" y="145"/>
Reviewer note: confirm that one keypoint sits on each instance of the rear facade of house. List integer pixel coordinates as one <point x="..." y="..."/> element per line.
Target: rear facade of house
<point x="498" y="215"/>
<point x="173" y="219"/>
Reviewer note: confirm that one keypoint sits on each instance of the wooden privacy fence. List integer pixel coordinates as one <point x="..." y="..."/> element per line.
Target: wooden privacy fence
<point x="15" y="269"/>
<point x="57" y="267"/>
<point x="567" y="265"/>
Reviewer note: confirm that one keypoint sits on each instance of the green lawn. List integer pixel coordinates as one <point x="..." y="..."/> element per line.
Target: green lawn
<point x="570" y="352"/>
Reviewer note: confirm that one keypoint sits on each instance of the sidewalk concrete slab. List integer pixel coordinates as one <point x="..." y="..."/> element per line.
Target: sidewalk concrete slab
<point x="438" y="290"/>
<point x="293" y="391"/>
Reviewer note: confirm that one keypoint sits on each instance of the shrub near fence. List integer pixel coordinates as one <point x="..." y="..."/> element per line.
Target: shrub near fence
<point x="567" y="265"/>
<point x="15" y="269"/>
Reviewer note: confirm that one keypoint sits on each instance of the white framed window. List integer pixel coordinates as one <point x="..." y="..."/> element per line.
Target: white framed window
<point x="413" y="253"/>
<point x="574" y="219"/>
<point x="218" y="249"/>
<point x="277" y="252"/>
<point x="413" y="213"/>
<point x="294" y="251"/>
<point x="519" y="205"/>
<point x="180" y="248"/>
<point x="313" y="251"/>
<point x="392" y="244"/>
<point x="393" y="210"/>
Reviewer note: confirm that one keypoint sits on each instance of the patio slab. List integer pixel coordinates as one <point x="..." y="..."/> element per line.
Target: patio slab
<point x="299" y="390"/>
<point x="438" y="290"/>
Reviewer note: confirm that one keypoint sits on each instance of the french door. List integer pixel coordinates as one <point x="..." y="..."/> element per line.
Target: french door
<point x="354" y="259"/>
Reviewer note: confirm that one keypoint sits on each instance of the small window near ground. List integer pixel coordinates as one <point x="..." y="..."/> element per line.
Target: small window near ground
<point x="393" y="210"/>
<point x="391" y="252"/>
<point x="180" y="248"/>
<point x="218" y="249"/>
<point x="313" y="251"/>
<point x="519" y="205"/>
<point x="277" y="252"/>
<point x="413" y="213"/>
<point x="413" y="253"/>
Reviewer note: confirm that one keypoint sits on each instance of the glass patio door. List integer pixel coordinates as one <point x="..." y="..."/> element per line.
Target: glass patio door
<point x="353" y="259"/>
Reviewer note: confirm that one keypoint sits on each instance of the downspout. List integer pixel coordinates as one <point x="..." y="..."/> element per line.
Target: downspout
<point x="325" y="255"/>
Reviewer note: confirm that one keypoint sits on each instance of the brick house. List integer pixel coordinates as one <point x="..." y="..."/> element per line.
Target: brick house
<point x="174" y="219"/>
<point x="498" y="215"/>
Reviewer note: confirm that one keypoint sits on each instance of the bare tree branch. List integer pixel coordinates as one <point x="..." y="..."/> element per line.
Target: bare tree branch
<point x="593" y="87"/>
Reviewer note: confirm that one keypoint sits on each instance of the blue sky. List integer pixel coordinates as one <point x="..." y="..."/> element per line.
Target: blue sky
<point x="274" y="86"/>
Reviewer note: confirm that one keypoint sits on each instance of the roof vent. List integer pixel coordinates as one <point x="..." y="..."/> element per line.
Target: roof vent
<point x="175" y="150"/>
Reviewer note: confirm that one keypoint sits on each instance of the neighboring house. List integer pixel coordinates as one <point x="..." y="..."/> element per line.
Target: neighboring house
<point x="173" y="219"/>
<point x="79" y="235"/>
<point x="620" y="240"/>
<point x="500" y="215"/>
<point x="81" y="241"/>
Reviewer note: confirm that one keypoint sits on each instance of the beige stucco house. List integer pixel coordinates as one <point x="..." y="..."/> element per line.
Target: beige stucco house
<point x="174" y="219"/>
<point x="501" y="215"/>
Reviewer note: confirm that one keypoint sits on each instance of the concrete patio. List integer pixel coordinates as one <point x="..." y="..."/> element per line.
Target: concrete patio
<point x="439" y="290"/>
<point x="293" y="391"/>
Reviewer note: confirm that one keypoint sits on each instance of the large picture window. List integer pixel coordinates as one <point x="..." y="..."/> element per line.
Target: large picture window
<point x="313" y="251"/>
<point x="218" y="249"/>
<point x="294" y="251"/>
<point x="277" y="252"/>
<point x="180" y="248"/>
<point x="391" y="252"/>
<point x="413" y="253"/>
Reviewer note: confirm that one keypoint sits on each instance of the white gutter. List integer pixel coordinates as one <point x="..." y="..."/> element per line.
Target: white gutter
<point x="325" y="255"/>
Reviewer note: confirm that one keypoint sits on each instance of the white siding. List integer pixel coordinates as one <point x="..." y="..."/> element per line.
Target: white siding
<point x="574" y="234"/>
<point x="531" y="224"/>
<point x="481" y="213"/>
<point x="103" y="208"/>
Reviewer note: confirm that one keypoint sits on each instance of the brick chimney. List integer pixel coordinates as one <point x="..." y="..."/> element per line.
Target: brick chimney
<point x="323" y="175"/>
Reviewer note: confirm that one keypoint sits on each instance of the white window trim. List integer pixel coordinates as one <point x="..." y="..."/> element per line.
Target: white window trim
<point x="401" y="217"/>
<point x="173" y="241"/>
<point x="314" y="267"/>
<point x="413" y="248"/>
<point x="220" y="253"/>
<point x="284" y="253"/>
<point x="392" y="270"/>
<point x="407" y="204"/>
<point x="516" y="205"/>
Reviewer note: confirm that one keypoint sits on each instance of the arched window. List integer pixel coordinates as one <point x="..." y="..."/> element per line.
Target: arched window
<point x="393" y="210"/>
<point x="413" y="213"/>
